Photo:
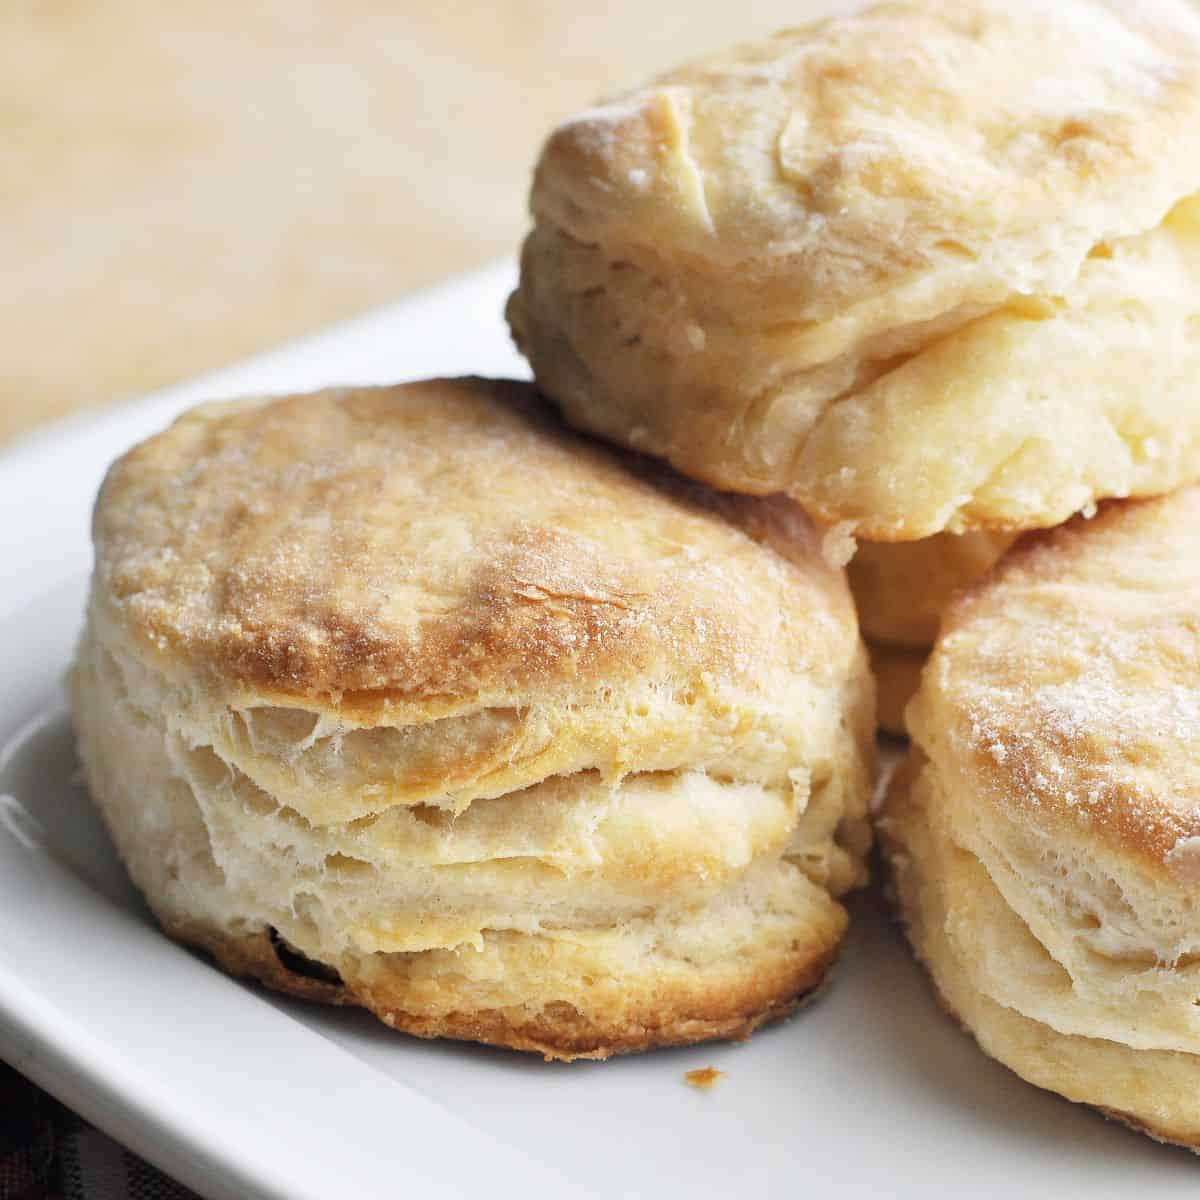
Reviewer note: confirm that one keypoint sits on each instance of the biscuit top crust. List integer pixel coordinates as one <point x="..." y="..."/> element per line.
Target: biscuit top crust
<point x="916" y="157"/>
<point x="440" y="545"/>
<point x="1065" y="688"/>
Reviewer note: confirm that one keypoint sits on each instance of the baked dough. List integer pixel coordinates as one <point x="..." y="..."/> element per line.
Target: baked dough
<point x="1044" y="835"/>
<point x="901" y="590"/>
<point x="408" y="698"/>
<point x="934" y="267"/>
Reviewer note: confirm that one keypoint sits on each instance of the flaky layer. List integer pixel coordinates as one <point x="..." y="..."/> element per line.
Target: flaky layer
<point x="1019" y="1002"/>
<point x="616" y="994"/>
<point x="577" y="917"/>
<point x="882" y="264"/>
<point x="431" y="594"/>
<point x="337" y="767"/>
<point x="572" y="850"/>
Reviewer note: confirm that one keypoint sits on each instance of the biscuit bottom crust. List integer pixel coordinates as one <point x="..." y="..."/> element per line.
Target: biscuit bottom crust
<point x="731" y="1009"/>
<point x="1152" y="1091"/>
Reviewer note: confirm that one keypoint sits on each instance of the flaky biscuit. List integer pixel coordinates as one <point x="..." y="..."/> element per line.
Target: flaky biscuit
<point x="901" y="590"/>
<point x="1044" y="836"/>
<point x="928" y="268"/>
<point x="410" y="699"/>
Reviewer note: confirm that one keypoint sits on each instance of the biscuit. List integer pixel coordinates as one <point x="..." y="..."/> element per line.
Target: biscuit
<point x="408" y="698"/>
<point x="1044" y="834"/>
<point x="930" y="268"/>
<point x="901" y="590"/>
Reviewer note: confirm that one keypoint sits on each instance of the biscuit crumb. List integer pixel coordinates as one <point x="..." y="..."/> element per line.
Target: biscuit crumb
<point x="703" y="1078"/>
<point x="838" y="544"/>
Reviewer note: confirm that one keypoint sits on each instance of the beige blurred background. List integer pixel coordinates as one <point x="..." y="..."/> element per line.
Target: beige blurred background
<point x="182" y="184"/>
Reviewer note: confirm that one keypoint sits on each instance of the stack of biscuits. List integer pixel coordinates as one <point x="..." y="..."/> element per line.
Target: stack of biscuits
<point x="931" y="271"/>
<point x="411" y="698"/>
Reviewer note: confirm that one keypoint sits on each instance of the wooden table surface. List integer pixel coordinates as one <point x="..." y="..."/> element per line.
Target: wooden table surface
<point x="183" y="184"/>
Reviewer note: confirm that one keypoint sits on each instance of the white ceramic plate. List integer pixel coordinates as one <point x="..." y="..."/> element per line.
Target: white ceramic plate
<point x="870" y="1092"/>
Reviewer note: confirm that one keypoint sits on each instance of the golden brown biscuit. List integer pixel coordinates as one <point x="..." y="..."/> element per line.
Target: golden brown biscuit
<point x="410" y="699"/>
<point x="901" y="590"/>
<point x="1044" y="837"/>
<point x="934" y="267"/>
